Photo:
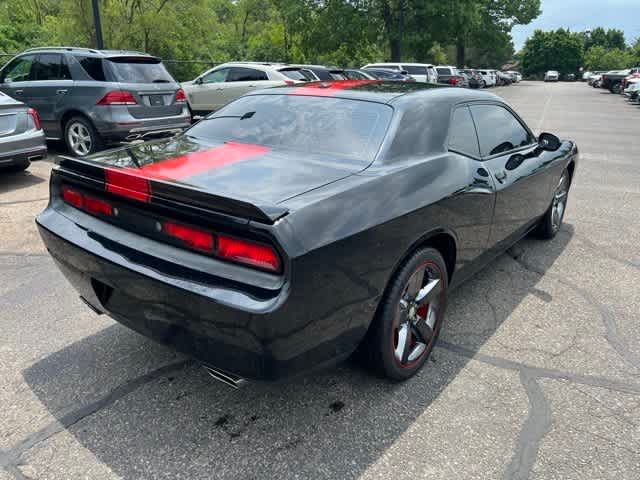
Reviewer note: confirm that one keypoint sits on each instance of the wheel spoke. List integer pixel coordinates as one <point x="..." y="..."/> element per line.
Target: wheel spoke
<point x="428" y="293"/>
<point x="415" y="284"/>
<point x="422" y="331"/>
<point x="404" y="343"/>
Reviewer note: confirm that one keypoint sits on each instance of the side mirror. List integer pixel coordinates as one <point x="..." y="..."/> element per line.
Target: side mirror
<point x="549" y="142"/>
<point x="198" y="81"/>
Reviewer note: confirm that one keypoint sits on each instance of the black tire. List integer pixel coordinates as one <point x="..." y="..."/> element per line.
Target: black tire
<point x="483" y="84"/>
<point x="551" y="222"/>
<point x="382" y="340"/>
<point x="19" y="167"/>
<point x="80" y="124"/>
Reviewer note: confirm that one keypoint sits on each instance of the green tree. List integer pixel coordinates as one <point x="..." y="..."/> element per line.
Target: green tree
<point x="609" y="39"/>
<point x="600" y="58"/>
<point x="559" y="50"/>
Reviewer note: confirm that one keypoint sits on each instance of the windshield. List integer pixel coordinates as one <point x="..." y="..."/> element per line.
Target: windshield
<point x="139" y="70"/>
<point x="312" y="125"/>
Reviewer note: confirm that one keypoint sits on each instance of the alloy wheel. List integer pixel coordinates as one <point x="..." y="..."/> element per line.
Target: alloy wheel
<point x="559" y="202"/>
<point x="79" y="139"/>
<point x="418" y="315"/>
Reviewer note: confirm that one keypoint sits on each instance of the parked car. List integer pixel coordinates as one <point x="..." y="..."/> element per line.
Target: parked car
<point x="390" y="75"/>
<point x="21" y="137"/>
<point x="595" y="80"/>
<point x="421" y="72"/>
<point x="570" y="77"/>
<point x="91" y="98"/>
<point x="473" y="78"/>
<point x="450" y="75"/>
<point x="318" y="72"/>
<point x="551" y="76"/>
<point x="515" y="76"/>
<point x="632" y="90"/>
<point x="488" y="78"/>
<point x="613" y="79"/>
<point x="220" y="85"/>
<point x="585" y="75"/>
<point x="630" y="78"/>
<point x="358" y="74"/>
<point x="503" y="78"/>
<point x="247" y="241"/>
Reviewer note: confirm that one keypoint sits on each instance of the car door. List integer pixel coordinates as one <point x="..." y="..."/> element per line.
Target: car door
<point x="50" y="87"/>
<point x="241" y="80"/>
<point x="206" y="94"/>
<point x="519" y="169"/>
<point x="15" y="79"/>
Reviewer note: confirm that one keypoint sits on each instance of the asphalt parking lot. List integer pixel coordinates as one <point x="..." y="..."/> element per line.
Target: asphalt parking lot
<point x="537" y="374"/>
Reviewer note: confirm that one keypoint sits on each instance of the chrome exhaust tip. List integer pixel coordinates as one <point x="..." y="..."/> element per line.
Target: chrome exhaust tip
<point x="229" y="379"/>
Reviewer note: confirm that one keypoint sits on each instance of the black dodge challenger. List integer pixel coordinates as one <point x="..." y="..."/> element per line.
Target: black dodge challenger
<point x="298" y="224"/>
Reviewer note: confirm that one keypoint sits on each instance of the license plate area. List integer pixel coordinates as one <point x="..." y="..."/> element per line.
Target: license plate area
<point x="156" y="100"/>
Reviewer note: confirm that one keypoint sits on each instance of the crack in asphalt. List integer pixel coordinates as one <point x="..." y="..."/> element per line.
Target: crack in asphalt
<point x="608" y="320"/>
<point x="535" y="427"/>
<point x="10" y="458"/>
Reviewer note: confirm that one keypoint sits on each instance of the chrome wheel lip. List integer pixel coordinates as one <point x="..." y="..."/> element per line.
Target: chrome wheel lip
<point x="79" y="139"/>
<point x="408" y="316"/>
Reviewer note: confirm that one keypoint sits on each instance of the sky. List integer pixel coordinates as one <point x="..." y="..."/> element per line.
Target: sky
<point x="580" y="15"/>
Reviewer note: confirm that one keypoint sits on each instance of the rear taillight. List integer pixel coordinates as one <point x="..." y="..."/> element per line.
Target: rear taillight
<point x="180" y="96"/>
<point x="192" y="237"/>
<point x="289" y="82"/>
<point x="35" y="116"/>
<point x="247" y="252"/>
<point x="88" y="203"/>
<point x="118" y="97"/>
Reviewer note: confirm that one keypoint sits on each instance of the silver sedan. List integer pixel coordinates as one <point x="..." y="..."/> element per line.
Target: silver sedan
<point x="21" y="136"/>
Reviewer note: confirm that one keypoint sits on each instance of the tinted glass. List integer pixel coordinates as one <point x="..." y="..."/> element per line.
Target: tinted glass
<point x="462" y="133"/>
<point x="139" y="70"/>
<point x="238" y="74"/>
<point x="355" y="75"/>
<point x="414" y="70"/>
<point x="386" y="74"/>
<point x="217" y="76"/>
<point x="444" y="71"/>
<point x="93" y="67"/>
<point x="18" y="70"/>
<point x="49" y="66"/>
<point x="337" y="75"/>
<point x="295" y="75"/>
<point x="498" y="130"/>
<point x="311" y="125"/>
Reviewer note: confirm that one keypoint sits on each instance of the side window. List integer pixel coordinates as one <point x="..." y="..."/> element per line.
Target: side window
<point x="217" y="76"/>
<point x="415" y="70"/>
<point x="240" y="74"/>
<point x="93" y="66"/>
<point x="18" y="70"/>
<point x="49" y="66"/>
<point x="462" y="133"/>
<point x="498" y="130"/>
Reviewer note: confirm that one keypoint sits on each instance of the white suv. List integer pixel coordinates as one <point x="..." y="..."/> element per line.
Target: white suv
<point x="551" y="76"/>
<point x="488" y="78"/>
<point x="422" y="72"/>
<point x="224" y="83"/>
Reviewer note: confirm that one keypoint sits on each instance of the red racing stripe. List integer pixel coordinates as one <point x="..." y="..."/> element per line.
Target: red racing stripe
<point x="134" y="182"/>
<point x="327" y="89"/>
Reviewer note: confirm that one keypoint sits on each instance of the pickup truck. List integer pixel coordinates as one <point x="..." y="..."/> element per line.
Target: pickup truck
<point x="612" y="80"/>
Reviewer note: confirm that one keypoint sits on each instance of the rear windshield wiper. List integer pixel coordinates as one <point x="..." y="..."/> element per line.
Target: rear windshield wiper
<point x="160" y="80"/>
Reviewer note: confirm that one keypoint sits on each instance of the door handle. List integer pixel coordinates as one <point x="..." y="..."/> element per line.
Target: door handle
<point x="62" y="91"/>
<point x="500" y="176"/>
<point x="18" y="92"/>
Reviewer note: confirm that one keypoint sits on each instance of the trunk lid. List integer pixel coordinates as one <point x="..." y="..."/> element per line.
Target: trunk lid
<point x="10" y="109"/>
<point x="250" y="173"/>
<point x="152" y="86"/>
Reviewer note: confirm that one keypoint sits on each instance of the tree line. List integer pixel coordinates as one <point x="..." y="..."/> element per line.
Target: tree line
<point x="340" y="32"/>
<point x="567" y="51"/>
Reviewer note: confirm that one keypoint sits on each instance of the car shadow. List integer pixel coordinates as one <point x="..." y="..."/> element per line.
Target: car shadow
<point x="179" y="423"/>
<point x="11" y="181"/>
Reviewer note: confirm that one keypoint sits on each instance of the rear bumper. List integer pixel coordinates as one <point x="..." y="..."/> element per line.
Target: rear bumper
<point x="26" y="150"/>
<point x="117" y="125"/>
<point x="255" y="338"/>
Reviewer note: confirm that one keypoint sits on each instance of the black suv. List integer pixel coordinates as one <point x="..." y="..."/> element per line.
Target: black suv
<point x="91" y="98"/>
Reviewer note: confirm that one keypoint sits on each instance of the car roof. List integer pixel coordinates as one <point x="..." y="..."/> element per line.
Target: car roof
<point x="400" y="93"/>
<point x="255" y="65"/>
<point x="89" y="51"/>
<point x="409" y="64"/>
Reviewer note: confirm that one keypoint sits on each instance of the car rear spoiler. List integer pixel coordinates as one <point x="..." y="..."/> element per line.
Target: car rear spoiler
<point x="126" y="182"/>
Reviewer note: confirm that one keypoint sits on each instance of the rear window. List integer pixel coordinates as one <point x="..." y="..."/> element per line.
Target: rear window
<point x="444" y="71"/>
<point x="415" y="70"/>
<point x="139" y="70"/>
<point x="297" y="74"/>
<point x="310" y="125"/>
